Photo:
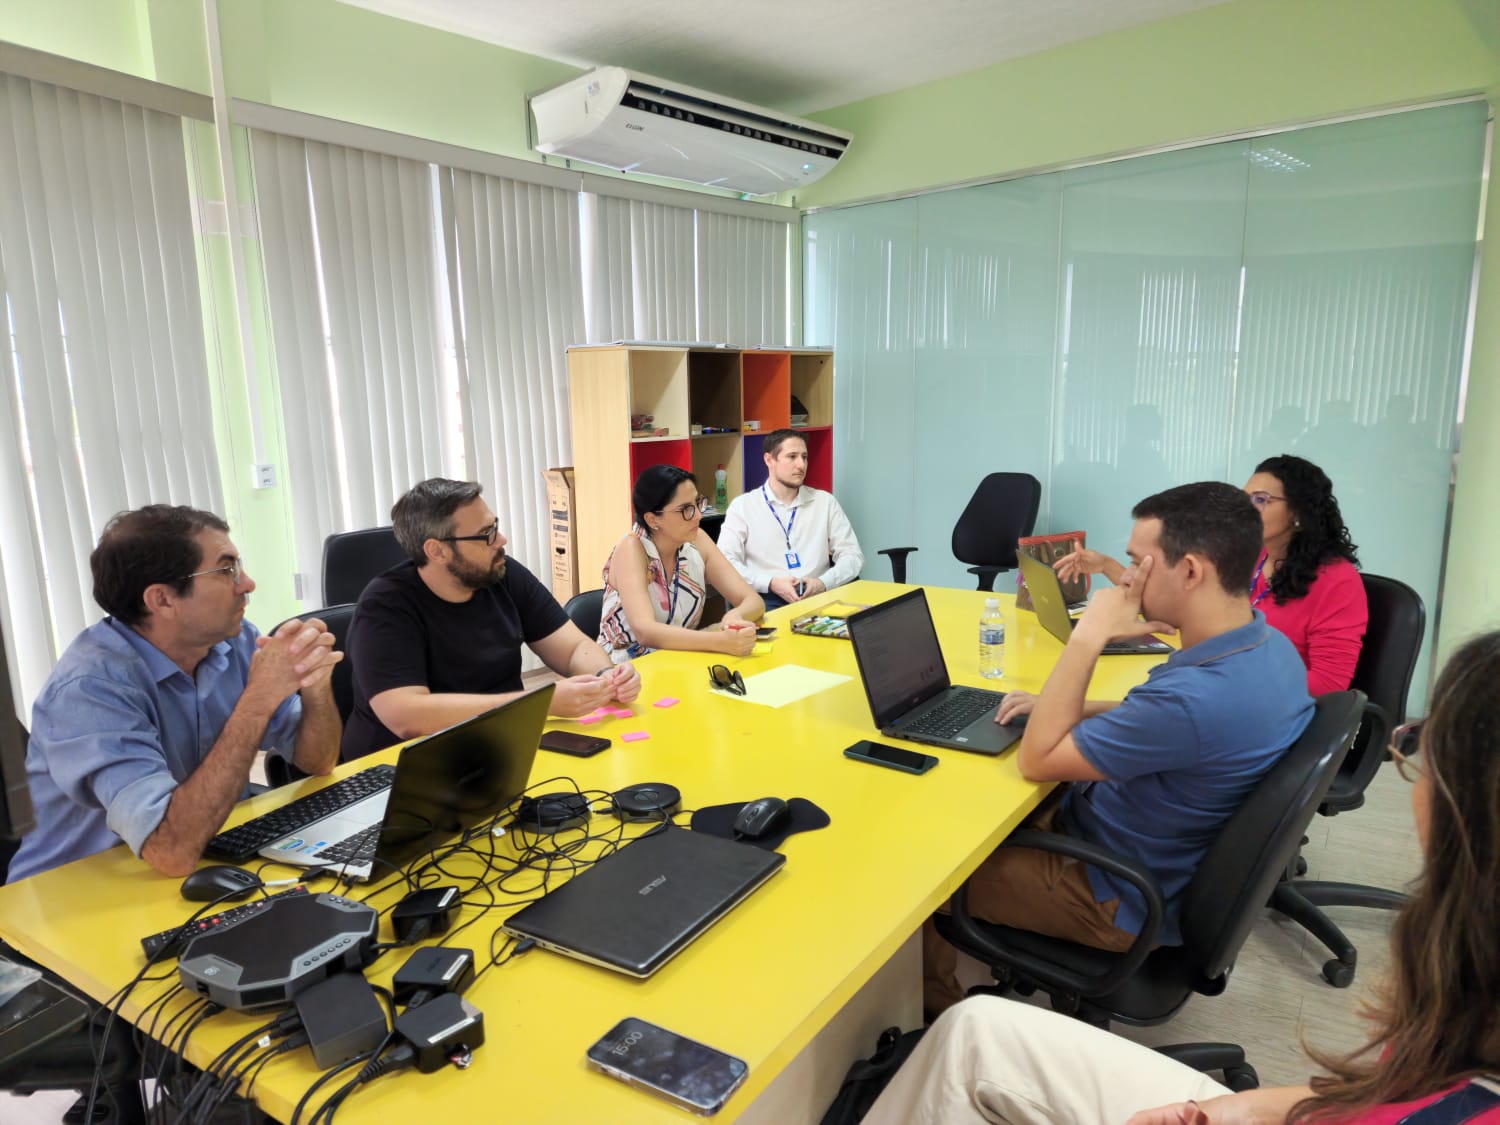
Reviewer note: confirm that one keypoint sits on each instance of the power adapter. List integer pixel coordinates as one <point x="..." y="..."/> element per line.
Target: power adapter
<point x="446" y="1030"/>
<point x="342" y="1018"/>
<point x="429" y="910"/>
<point x="431" y="971"/>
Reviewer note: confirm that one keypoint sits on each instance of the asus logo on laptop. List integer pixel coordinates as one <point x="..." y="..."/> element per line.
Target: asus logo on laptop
<point x="651" y="886"/>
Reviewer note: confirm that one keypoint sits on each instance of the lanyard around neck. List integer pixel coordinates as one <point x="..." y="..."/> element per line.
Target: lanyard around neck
<point x="786" y="528"/>
<point x="1254" y="578"/>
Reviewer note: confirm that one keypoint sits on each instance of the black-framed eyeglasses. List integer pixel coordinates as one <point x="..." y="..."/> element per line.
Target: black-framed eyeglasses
<point x="726" y="679"/>
<point x="1406" y="740"/>
<point x="235" y="570"/>
<point x="1261" y="499"/>
<point x="487" y="536"/>
<point x="687" y="511"/>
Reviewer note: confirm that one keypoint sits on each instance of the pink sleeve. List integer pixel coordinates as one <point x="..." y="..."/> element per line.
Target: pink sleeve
<point x="1336" y="624"/>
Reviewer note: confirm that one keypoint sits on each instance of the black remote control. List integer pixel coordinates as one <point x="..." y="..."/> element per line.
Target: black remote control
<point x="169" y="943"/>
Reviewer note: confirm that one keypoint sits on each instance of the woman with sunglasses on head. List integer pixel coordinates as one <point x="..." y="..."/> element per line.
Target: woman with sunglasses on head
<point x="1434" y="1054"/>
<point x="654" y="581"/>
<point x="1307" y="579"/>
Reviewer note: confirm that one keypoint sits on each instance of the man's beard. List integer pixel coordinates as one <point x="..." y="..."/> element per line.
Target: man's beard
<point x="477" y="577"/>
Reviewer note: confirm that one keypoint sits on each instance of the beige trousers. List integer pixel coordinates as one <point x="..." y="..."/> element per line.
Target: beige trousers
<point x="999" y="1061"/>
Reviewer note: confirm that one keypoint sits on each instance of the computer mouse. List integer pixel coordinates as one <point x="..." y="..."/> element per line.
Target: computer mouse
<point x="219" y="882"/>
<point x="761" y="818"/>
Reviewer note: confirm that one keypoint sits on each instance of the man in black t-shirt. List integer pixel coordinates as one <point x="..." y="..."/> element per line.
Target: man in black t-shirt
<point x="438" y="639"/>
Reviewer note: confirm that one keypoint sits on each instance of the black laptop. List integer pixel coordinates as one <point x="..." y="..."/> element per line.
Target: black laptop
<point x="639" y="907"/>
<point x="906" y="681"/>
<point x="1051" y="607"/>
<point x="445" y="783"/>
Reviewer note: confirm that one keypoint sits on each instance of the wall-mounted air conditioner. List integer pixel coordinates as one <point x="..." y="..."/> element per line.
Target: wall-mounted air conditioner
<point x="635" y="123"/>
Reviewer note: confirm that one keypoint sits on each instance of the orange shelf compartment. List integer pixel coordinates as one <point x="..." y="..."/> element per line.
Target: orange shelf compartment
<point x="766" y="389"/>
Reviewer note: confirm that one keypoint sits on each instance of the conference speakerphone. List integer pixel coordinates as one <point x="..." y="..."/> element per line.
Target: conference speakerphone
<point x="169" y="943"/>
<point x="268" y="957"/>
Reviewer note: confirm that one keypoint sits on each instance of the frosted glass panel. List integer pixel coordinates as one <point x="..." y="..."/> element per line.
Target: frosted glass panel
<point x="1151" y="252"/>
<point x="1117" y="329"/>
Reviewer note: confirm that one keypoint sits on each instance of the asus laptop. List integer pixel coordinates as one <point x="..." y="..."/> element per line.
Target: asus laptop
<point x="444" y="784"/>
<point x="639" y="907"/>
<point x="906" y="681"/>
<point x="1052" y="610"/>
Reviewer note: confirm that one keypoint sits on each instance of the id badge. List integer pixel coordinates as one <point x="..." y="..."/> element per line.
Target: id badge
<point x="792" y="560"/>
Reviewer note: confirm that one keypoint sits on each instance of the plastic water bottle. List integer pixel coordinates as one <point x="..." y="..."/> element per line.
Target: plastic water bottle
<point x="721" y="489"/>
<point x="992" y="640"/>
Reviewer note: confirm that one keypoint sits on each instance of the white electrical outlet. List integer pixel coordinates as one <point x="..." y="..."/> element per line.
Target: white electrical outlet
<point x="262" y="476"/>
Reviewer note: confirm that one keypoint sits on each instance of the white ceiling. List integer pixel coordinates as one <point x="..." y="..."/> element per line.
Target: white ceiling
<point x="793" y="55"/>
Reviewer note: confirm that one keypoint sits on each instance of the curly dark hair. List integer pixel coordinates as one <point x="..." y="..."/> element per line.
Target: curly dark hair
<point x="1320" y="535"/>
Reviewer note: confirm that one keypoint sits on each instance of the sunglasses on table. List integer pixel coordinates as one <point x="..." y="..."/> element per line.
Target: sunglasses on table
<point x="1405" y="742"/>
<point x="724" y="679"/>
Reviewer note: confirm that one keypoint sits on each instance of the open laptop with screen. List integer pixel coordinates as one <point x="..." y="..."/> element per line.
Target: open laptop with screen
<point x="906" y="681"/>
<point x="1051" y="607"/>
<point x="444" y="784"/>
<point x="639" y="907"/>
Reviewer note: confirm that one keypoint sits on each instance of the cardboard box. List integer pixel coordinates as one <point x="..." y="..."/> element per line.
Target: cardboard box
<point x="564" y="545"/>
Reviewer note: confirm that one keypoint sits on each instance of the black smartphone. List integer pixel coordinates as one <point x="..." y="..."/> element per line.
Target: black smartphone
<point x="765" y="631"/>
<point x="894" y="757"/>
<point x="566" y="742"/>
<point x="682" y="1070"/>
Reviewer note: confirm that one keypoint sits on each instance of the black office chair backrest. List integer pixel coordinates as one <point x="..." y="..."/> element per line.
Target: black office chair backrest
<point x="585" y="610"/>
<point x="1002" y="510"/>
<point x="341" y="680"/>
<point x="8" y="848"/>
<point x="352" y="558"/>
<point x="1228" y="893"/>
<point x="1387" y="659"/>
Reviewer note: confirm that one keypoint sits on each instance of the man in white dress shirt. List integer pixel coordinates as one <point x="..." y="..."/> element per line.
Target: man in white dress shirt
<point x="788" y="540"/>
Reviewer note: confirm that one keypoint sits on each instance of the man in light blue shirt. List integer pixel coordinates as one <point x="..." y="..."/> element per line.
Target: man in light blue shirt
<point x="1160" y="772"/>
<point x="147" y="728"/>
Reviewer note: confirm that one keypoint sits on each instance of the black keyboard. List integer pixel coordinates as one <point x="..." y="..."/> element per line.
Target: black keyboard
<point x="352" y="849"/>
<point x="960" y="709"/>
<point x="172" y="942"/>
<point x="242" y="842"/>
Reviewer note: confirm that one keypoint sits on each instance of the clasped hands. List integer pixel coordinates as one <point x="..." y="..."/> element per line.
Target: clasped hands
<point x="297" y="656"/>
<point x="579" y="695"/>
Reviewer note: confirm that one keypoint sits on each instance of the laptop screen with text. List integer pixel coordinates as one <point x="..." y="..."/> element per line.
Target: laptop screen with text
<point x="900" y="659"/>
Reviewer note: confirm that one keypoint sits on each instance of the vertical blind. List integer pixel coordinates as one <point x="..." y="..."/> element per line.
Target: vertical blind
<point x="1117" y="329"/>
<point x="743" y="279"/>
<point x="638" y="268"/>
<point x="104" y="392"/>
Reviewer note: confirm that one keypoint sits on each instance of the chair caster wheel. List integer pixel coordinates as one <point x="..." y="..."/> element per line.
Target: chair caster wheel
<point x="1301" y="867"/>
<point x="1242" y="1078"/>
<point x="1338" y="974"/>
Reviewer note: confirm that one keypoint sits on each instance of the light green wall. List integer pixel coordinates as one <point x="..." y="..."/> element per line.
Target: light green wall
<point x="1240" y="66"/>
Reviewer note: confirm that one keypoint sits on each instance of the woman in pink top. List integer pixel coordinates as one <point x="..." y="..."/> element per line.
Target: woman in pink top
<point x="1307" y="579"/>
<point x="1434" y="1052"/>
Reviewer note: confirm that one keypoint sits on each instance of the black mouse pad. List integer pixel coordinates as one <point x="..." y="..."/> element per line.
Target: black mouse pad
<point x="718" y="820"/>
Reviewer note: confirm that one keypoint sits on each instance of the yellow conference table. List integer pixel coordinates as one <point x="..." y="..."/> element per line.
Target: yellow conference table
<point x="760" y="984"/>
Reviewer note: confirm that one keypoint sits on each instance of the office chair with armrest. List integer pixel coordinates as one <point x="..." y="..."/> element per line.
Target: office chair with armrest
<point x="585" y="610"/>
<point x="1002" y="510"/>
<point x="1393" y="640"/>
<point x="1145" y="986"/>
<point x="352" y="558"/>
<point x="279" y="771"/>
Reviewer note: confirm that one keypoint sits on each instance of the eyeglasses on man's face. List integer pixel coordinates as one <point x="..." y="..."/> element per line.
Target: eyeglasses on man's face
<point x="1406" y="740"/>
<point x="487" y="536"/>
<point x="723" y="679"/>
<point x="235" y="570"/>
<point x="687" y="511"/>
<point x="1261" y="499"/>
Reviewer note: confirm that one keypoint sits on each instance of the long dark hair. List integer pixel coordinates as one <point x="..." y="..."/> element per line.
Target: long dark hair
<point x="653" y="490"/>
<point x="1437" y="1019"/>
<point x="1320" y="536"/>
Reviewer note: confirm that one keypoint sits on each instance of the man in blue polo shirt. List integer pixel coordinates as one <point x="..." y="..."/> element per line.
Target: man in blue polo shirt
<point x="1158" y="774"/>
<point x="147" y="728"/>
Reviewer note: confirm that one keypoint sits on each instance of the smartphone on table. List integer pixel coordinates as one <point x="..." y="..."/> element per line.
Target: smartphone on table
<point x="892" y="757"/>
<point x="765" y="632"/>
<point x="567" y="742"/>
<point x="685" y="1072"/>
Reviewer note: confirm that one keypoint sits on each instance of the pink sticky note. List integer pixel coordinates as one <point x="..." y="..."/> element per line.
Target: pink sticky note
<point x="591" y="718"/>
<point x="621" y="712"/>
<point x="667" y="701"/>
<point x="635" y="736"/>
